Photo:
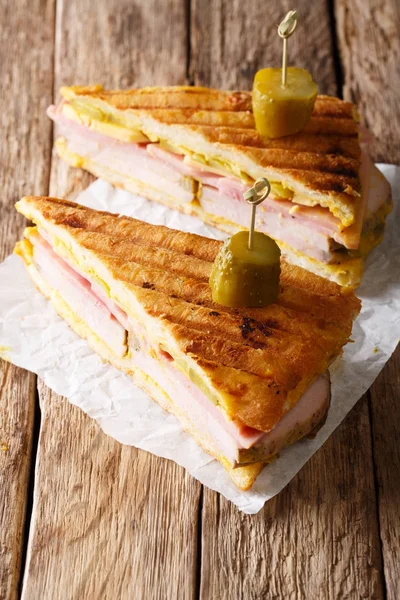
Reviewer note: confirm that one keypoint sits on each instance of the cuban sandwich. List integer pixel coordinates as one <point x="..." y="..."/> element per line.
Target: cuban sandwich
<point x="243" y="382"/>
<point x="197" y="150"/>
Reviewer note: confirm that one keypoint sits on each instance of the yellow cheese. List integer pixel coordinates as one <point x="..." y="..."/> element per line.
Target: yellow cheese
<point x="117" y="132"/>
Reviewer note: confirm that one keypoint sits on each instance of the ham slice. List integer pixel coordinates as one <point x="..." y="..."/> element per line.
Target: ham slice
<point x="231" y="437"/>
<point x="230" y="186"/>
<point x="44" y="242"/>
<point x="89" y="303"/>
<point x="310" y="230"/>
<point x="77" y="292"/>
<point x="127" y="158"/>
<point x="278" y="224"/>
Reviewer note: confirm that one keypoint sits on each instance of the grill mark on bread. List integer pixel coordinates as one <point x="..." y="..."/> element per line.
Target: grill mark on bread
<point x="248" y="138"/>
<point x="187" y="245"/>
<point x="149" y="256"/>
<point x="289" y="160"/>
<point x="254" y="361"/>
<point x="327" y="182"/>
<point x="72" y="222"/>
<point x="242" y="123"/>
<point x="328" y="145"/>
<point x="189" y="116"/>
<point x="196" y="97"/>
<point x="288" y="323"/>
<point x="287" y="344"/>
<point x="239" y="101"/>
<point x="302" y="142"/>
<point x="129" y="229"/>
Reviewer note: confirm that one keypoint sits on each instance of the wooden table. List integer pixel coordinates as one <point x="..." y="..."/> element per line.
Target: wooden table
<point x="82" y="517"/>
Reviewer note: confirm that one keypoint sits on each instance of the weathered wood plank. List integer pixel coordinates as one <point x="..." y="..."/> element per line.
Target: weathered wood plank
<point x="26" y="50"/>
<point x="385" y="395"/>
<point x="232" y="39"/>
<point x="126" y="44"/>
<point x="17" y="408"/>
<point x="319" y="538"/>
<point x="110" y="521"/>
<point x="316" y="539"/>
<point x="368" y="35"/>
<point x="370" y="51"/>
<point x="369" y="40"/>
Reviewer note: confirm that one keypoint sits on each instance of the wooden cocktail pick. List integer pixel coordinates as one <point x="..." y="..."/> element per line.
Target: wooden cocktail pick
<point x="285" y="30"/>
<point x="254" y="196"/>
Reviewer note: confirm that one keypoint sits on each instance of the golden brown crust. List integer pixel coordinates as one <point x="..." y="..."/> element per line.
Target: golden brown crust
<point x="259" y="361"/>
<point x="348" y="273"/>
<point x="322" y="161"/>
<point x="165" y="97"/>
<point x="243" y="477"/>
<point x="189" y="116"/>
<point x="194" y="97"/>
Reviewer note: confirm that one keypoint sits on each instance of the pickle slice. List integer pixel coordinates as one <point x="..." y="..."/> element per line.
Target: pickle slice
<point x="241" y="277"/>
<point x="278" y="110"/>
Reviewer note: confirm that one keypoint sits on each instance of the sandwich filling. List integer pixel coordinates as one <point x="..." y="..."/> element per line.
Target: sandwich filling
<point x="243" y="382"/>
<point x="127" y="339"/>
<point x="210" y="190"/>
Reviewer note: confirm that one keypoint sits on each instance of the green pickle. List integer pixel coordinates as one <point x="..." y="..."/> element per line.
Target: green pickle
<point x="278" y="110"/>
<point x="241" y="277"/>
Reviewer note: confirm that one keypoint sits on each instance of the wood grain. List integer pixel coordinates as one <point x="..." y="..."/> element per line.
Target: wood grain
<point x="127" y="44"/>
<point x="319" y="538"/>
<point x="110" y="521"/>
<point x="26" y="51"/>
<point x="316" y="539"/>
<point x="368" y="33"/>
<point x="385" y="394"/>
<point x="369" y="41"/>
<point x="232" y="39"/>
<point x="17" y="408"/>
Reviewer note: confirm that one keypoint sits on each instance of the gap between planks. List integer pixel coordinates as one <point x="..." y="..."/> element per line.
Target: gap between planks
<point x="190" y="79"/>
<point x="335" y="49"/>
<point x="375" y="474"/>
<point x="27" y="51"/>
<point x="37" y="414"/>
<point x="31" y="487"/>
<point x="125" y="72"/>
<point x="340" y="78"/>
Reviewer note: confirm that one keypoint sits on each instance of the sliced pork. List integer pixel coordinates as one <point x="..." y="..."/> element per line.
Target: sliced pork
<point x="127" y="338"/>
<point x="313" y="231"/>
<point x="77" y="292"/>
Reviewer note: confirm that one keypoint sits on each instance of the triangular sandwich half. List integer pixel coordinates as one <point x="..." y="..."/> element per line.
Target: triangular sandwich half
<point x="244" y="383"/>
<point x="197" y="150"/>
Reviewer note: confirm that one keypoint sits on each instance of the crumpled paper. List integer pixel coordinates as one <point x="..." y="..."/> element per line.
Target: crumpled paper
<point x="33" y="336"/>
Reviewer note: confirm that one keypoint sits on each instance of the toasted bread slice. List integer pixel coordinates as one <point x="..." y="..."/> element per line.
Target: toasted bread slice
<point x="254" y="364"/>
<point x="243" y="477"/>
<point x="320" y="165"/>
<point x="213" y="131"/>
<point x="347" y="272"/>
<point x="165" y="274"/>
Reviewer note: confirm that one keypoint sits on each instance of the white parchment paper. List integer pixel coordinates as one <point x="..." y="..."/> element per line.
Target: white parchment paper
<point x="34" y="337"/>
